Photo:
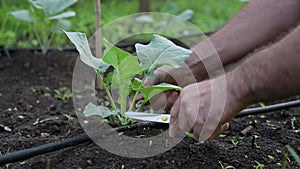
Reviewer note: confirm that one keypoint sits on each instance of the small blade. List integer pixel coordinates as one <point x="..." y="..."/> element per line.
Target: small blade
<point x="160" y="118"/>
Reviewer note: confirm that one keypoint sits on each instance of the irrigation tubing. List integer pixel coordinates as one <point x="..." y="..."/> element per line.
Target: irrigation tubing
<point x="84" y="138"/>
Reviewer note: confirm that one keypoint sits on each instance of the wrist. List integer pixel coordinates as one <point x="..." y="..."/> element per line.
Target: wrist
<point x="238" y="85"/>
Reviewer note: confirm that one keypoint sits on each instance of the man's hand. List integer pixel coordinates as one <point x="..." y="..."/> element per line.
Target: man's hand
<point x="193" y="109"/>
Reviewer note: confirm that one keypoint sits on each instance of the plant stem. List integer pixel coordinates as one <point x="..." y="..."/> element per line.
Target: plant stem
<point x="113" y="105"/>
<point x="136" y="94"/>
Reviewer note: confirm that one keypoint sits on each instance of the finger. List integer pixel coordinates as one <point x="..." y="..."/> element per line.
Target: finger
<point x="196" y="130"/>
<point x="159" y="77"/>
<point x="219" y="130"/>
<point x="173" y="126"/>
<point x="171" y="99"/>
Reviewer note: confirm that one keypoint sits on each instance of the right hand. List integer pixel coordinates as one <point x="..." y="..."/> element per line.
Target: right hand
<point x="182" y="77"/>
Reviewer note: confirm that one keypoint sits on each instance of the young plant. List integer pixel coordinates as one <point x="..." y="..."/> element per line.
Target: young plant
<point x="44" y="18"/>
<point x="160" y="51"/>
<point x="227" y="167"/>
<point x="234" y="141"/>
<point x="259" y="165"/>
<point x="63" y="93"/>
<point x="289" y="149"/>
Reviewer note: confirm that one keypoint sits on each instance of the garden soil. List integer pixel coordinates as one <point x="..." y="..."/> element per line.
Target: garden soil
<point x="32" y="115"/>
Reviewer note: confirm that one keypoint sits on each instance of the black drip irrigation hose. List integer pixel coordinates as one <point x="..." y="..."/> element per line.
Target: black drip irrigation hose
<point x="274" y="107"/>
<point x="73" y="141"/>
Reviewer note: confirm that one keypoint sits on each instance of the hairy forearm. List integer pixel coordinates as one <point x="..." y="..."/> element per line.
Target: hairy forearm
<point x="258" y="23"/>
<point x="270" y="74"/>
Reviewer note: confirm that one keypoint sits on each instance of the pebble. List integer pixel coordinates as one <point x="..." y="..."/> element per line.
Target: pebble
<point x="27" y="65"/>
<point x="44" y="135"/>
<point x="89" y="162"/>
<point x="52" y="107"/>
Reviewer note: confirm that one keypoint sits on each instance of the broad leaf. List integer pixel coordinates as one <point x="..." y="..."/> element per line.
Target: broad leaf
<point x="63" y="15"/>
<point x="113" y="55"/>
<point x="91" y="109"/>
<point x="121" y="80"/>
<point x="52" y="7"/>
<point x="63" y="24"/>
<point x="151" y="91"/>
<point x="186" y="15"/>
<point x="126" y="66"/>
<point x="161" y="51"/>
<point x="22" y="15"/>
<point x="80" y="41"/>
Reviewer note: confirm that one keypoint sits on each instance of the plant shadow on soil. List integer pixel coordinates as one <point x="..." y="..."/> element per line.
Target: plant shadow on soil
<point x="35" y="116"/>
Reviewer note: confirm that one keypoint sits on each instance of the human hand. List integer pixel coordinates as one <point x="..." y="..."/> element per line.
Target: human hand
<point x="166" y="74"/>
<point x="196" y="111"/>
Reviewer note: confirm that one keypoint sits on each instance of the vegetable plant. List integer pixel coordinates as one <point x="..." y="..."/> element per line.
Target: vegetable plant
<point x="44" y="18"/>
<point x="160" y="51"/>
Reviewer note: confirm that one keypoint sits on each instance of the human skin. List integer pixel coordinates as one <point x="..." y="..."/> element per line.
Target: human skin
<point x="270" y="74"/>
<point x="258" y="23"/>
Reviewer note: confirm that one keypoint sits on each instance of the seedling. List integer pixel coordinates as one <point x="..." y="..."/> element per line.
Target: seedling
<point x="293" y="153"/>
<point x="227" y="167"/>
<point x="293" y="120"/>
<point x="262" y="104"/>
<point x="160" y="51"/>
<point x="68" y="117"/>
<point x="20" y="117"/>
<point x="254" y="138"/>
<point x="234" y="141"/>
<point x="63" y="93"/>
<point x="33" y="89"/>
<point x="44" y="17"/>
<point x="259" y="165"/>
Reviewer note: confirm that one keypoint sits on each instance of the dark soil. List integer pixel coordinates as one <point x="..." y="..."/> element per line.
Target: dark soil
<point x="29" y="108"/>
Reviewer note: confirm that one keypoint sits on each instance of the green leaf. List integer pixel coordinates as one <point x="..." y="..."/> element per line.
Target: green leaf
<point x="108" y="77"/>
<point x="123" y="75"/>
<point x="161" y="51"/>
<point x="186" y="15"/>
<point x="62" y="15"/>
<point x="136" y="83"/>
<point x="80" y="41"/>
<point x="113" y="55"/>
<point x="293" y="153"/>
<point x="22" y="15"/>
<point x="151" y="91"/>
<point x="91" y="109"/>
<point x="126" y="66"/>
<point x="52" y="7"/>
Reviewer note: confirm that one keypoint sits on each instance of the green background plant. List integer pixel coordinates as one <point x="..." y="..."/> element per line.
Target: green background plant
<point x="209" y="15"/>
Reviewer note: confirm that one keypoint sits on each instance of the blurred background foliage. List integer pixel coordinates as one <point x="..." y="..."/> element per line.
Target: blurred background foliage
<point x="209" y="15"/>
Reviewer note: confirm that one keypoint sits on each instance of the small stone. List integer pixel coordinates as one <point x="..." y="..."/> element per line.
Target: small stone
<point x="89" y="162"/>
<point x="7" y="129"/>
<point x="27" y="65"/>
<point x="44" y="135"/>
<point x="52" y="107"/>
